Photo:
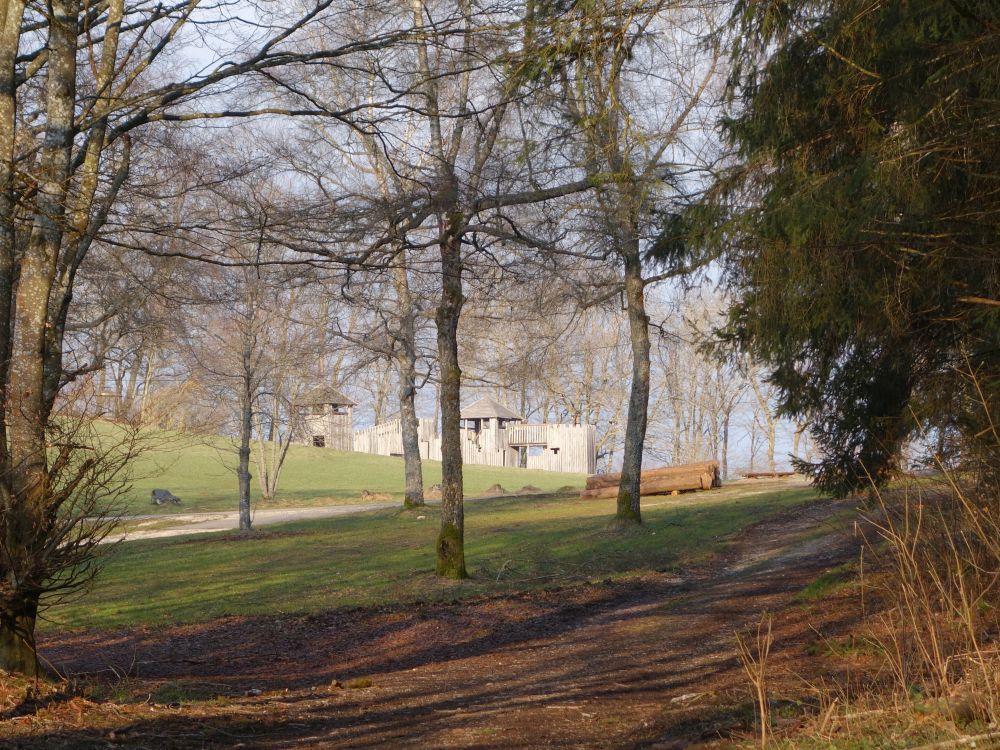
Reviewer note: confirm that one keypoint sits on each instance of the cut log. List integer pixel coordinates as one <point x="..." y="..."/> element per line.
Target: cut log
<point x="599" y="481"/>
<point x="665" y="485"/>
<point x="660" y="485"/>
<point x="599" y="494"/>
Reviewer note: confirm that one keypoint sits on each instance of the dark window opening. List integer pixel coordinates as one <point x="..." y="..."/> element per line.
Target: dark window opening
<point x="319" y="441"/>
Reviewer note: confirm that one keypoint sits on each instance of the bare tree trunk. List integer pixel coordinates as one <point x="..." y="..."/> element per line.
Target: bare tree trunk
<point x="27" y="513"/>
<point x="272" y="423"/>
<point x="263" y="477"/>
<point x="278" y="464"/>
<point x="413" y="493"/>
<point x="437" y="406"/>
<point x="800" y="428"/>
<point x="381" y="389"/>
<point x="406" y="363"/>
<point x="635" y="428"/>
<point x="678" y="440"/>
<point x="17" y="637"/>
<point x="725" y="445"/>
<point x="768" y="420"/>
<point x="243" y="467"/>
<point x="130" y="387"/>
<point x="246" y="429"/>
<point x="714" y="436"/>
<point x="10" y="29"/>
<point x="19" y="607"/>
<point x="271" y="456"/>
<point x="147" y="382"/>
<point x="451" y="539"/>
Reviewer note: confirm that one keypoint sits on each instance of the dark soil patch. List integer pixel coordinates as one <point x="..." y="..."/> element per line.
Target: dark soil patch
<point x="648" y="662"/>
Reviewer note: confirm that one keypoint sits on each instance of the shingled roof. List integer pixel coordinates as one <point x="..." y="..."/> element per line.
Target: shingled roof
<point x="325" y="394"/>
<point x="487" y="408"/>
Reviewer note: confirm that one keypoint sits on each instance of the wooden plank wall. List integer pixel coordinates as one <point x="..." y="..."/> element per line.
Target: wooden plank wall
<point x="386" y="438"/>
<point x="340" y="435"/>
<point x="337" y="429"/>
<point x="566" y="447"/>
<point x="574" y="444"/>
<point x="484" y="448"/>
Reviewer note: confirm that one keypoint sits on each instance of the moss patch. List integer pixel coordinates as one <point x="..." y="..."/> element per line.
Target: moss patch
<point x="450" y="553"/>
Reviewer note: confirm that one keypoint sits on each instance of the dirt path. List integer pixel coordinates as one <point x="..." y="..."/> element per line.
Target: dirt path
<point x="178" y="524"/>
<point x="153" y="526"/>
<point x="648" y="664"/>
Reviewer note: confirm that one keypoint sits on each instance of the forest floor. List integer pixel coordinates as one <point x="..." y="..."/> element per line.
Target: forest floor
<point x="646" y="662"/>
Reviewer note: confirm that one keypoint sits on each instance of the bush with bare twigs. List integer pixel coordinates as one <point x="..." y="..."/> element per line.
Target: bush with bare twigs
<point x="51" y="549"/>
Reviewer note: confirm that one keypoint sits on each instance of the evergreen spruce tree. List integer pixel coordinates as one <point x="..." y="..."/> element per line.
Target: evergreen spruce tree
<point x="863" y="220"/>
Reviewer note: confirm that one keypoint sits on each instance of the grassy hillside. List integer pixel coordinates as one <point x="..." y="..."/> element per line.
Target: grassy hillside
<point x="386" y="557"/>
<point x="200" y="470"/>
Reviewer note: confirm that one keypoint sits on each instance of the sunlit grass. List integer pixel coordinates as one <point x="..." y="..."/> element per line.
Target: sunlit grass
<point x="387" y="557"/>
<point x="201" y="471"/>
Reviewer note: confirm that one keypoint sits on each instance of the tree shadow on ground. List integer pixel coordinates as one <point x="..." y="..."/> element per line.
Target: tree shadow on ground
<point x="595" y="664"/>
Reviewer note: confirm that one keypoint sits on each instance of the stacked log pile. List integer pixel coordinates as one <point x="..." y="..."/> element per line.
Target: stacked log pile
<point x="666" y="480"/>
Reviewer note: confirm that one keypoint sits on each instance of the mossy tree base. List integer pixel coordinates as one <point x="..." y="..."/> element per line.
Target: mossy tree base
<point x="450" y="553"/>
<point x="627" y="515"/>
<point x="625" y="526"/>
<point x="17" y="647"/>
<point x="410" y="503"/>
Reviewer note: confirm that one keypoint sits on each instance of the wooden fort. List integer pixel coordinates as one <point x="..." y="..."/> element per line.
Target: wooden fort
<point x="493" y="435"/>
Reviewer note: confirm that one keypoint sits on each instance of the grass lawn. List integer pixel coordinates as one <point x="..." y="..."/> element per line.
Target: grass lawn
<point x="387" y="557"/>
<point x="200" y="470"/>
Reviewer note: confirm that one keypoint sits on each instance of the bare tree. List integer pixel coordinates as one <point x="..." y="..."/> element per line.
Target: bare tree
<point x="636" y="140"/>
<point x="764" y="415"/>
<point x="75" y="134"/>
<point x="230" y="353"/>
<point x="289" y="351"/>
<point x="452" y="175"/>
<point x="730" y="389"/>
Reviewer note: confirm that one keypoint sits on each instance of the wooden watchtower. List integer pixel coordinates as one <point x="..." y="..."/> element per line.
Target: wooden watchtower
<point x="487" y="414"/>
<point x="326" y="419"/>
